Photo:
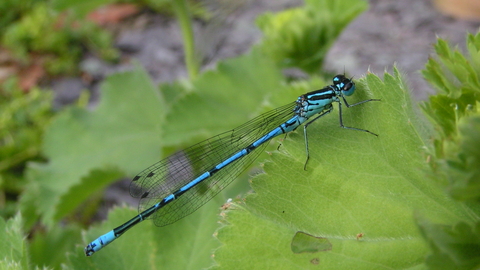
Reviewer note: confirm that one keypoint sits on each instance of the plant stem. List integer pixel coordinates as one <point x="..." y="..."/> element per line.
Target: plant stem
<point x="183" y="15"/>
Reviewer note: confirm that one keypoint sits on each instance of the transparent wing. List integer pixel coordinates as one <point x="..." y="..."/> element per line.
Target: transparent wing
<point x="170" y="174"/>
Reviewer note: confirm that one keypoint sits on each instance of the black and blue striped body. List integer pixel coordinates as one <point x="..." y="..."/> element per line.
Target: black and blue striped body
<point x="180" y="184"/>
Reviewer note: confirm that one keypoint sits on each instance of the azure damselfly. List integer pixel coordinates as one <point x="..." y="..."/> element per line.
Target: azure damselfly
<point x="178" y="185"/>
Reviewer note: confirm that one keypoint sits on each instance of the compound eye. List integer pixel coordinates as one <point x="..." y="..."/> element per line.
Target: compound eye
<point x="347" y="86"/>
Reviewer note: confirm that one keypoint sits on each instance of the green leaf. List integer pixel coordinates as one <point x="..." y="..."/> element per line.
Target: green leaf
<point x="301" y="37"/>
<point x="355" y="184"/>
<point x="12" y="245"/>
<point x="456" y="78"/>
<point x="62" y="239"/>
<point x="123" y="132"/>
<point x="96" y="180"/>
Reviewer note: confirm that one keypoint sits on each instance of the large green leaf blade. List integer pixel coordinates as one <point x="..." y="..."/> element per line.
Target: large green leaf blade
<point x="356" y="185"/>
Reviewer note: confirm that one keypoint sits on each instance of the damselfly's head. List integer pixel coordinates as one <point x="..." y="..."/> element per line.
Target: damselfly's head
<point x="344" y="84"/>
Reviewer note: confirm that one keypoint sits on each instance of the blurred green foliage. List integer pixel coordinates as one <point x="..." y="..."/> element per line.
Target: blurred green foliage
<point x="82" y="8"/>
<point x="23" y="119"/>
<point x="35" y="29"/>
<point x="455" y="159"/>
<point x="13" y="10"/>
<point x="58" y="32"/>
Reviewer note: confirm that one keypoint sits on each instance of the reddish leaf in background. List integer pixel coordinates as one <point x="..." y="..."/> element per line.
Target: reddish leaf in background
<point x="29" y="76"/>
<point x="113" y="13"/>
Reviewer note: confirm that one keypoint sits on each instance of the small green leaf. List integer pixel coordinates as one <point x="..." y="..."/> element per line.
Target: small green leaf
<point x="12" y="244"/>
<point x="456" y="78"/>
<point x="301" y="37"/>
<point x="434" y="74"/>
